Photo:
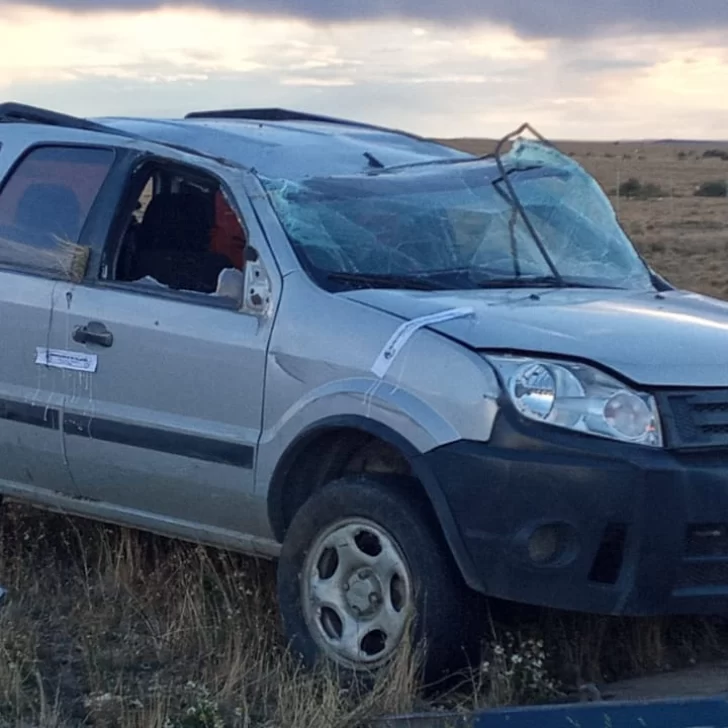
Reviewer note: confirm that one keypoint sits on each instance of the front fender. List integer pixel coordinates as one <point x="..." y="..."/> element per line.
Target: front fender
<point x="371" y="399"/>
<point x="420" y="469"/>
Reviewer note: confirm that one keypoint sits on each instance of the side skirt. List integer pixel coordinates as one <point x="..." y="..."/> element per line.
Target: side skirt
<point x="131" y="518"/>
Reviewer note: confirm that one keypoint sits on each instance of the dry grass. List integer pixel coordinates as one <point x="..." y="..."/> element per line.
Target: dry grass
<point x="108" y="627"/>
<point x="113" y="627"/>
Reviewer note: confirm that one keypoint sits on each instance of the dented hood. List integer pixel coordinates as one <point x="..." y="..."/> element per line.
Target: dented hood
<point x="675" y="338"/>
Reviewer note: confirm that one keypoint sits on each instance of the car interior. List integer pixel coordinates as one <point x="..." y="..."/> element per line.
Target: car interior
<point x="182" y="234"/>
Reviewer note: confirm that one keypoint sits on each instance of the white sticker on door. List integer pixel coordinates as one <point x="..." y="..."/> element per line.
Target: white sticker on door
<point x="73" y="360"/>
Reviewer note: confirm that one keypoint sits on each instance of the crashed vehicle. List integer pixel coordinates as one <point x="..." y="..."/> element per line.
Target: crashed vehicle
<point x="411" y="375"/>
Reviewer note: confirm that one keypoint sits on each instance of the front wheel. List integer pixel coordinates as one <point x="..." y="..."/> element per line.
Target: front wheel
<point x="362" y="561"/>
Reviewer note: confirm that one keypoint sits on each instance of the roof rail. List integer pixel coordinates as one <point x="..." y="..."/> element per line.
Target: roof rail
<point x="11" y="112"/>
<point x="21" y="113"/>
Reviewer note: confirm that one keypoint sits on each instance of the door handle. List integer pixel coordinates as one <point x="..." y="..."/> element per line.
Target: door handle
<point x="94" y="332"/>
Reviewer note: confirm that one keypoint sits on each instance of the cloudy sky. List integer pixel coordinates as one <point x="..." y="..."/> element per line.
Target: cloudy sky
<point x="590" y="69"/>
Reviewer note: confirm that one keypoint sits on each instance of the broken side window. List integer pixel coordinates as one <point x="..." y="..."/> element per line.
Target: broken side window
<point x="181" y="235"/>
<point x="44" y="204"/>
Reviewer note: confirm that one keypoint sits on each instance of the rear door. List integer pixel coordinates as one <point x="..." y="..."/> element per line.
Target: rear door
<point x="166" y="425"/>
<point x="46" y="197"/>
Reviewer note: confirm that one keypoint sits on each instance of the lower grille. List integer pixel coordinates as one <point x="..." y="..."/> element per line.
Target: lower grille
<point x="695" y="418"/>
<point x="706" y="557"/>
<point x="707" y="539"/>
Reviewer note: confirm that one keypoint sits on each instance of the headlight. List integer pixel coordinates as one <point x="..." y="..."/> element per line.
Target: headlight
<point x="579" y="397"/>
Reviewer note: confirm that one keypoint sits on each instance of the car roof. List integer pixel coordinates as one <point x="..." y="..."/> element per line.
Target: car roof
<point x="277" y="143"/>
<point x="291" y="149"/>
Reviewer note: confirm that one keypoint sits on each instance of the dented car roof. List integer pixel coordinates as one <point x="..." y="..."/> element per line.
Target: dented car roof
<point x="290" y="149"/>
<point x="275" y="143"/>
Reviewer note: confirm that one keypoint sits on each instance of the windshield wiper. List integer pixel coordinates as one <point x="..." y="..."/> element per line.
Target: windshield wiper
<point x="536" y="282"/>
<point x="388" y="280"/>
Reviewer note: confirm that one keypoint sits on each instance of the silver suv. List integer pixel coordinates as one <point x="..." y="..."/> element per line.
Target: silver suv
<point x="412" y="375"/>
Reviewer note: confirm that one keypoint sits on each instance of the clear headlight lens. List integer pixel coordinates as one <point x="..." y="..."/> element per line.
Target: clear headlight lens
<point x="579" y="397"/>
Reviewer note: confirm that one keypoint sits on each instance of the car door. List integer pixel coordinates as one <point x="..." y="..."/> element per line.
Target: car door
<point x="45" y="200"/>
<point x="167" y="423"/>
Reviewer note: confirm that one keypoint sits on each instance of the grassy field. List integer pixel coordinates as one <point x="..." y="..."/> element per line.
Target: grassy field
<point x="108" y="627"/>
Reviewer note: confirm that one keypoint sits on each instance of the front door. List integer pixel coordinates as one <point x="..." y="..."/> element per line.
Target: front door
<point x="168" y="424"/>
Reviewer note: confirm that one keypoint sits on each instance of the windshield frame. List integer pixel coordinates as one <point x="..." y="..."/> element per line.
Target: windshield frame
<point x="515" y="200"/>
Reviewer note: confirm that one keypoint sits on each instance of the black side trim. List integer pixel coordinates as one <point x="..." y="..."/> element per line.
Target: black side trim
<point x="29" y="414"/>
<point x="149" y="438"/>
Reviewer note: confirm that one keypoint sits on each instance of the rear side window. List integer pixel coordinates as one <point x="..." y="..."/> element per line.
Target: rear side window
<point x="44" y="204"/>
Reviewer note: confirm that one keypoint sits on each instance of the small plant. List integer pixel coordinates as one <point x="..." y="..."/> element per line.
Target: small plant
<point x="715" y="188"/>
<point x="634" y="189"/>
<point x="630" y="188"/>
<point x="202" y="712"/>
<point x="715" y="154"/>
<point x="516" y="673"/>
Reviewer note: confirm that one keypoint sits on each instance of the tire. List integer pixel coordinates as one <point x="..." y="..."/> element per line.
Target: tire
<point x="371" y="535"/>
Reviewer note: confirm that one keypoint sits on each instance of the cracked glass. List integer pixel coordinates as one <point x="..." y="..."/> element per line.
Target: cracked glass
<point x="455" y="225"/>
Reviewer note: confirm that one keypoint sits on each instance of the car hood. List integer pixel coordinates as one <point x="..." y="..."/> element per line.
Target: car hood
<point x="675" y="338"/>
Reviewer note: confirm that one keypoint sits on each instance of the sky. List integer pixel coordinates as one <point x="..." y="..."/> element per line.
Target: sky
<point x="575" y="69"/>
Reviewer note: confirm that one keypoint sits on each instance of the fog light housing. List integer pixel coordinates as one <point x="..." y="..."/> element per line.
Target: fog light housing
<point x="544" y="544"/>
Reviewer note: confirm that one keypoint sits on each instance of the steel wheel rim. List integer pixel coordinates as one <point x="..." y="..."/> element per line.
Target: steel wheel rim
<point x="357" y="595"/>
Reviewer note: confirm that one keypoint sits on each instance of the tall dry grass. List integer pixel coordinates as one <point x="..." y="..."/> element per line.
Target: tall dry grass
<point x="112" y="627"/>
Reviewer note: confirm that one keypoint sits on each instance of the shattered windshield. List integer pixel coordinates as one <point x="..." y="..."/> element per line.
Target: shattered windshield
<point x="455" y="226"/>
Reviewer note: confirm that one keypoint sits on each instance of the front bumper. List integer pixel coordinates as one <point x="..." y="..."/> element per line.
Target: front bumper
<point x="636" y="530"/>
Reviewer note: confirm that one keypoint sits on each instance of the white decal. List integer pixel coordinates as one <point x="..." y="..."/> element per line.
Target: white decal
<point x="403" y="334"/>
<point x="73" y="360"/>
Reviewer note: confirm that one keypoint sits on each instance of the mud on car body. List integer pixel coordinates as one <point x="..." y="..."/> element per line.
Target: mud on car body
<point x="413" y="376"/>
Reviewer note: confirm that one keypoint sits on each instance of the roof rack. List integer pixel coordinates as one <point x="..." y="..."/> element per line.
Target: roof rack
<point x="13" y="113"/>
<point x="269" y="115"/>
<point x="275" y="114"/>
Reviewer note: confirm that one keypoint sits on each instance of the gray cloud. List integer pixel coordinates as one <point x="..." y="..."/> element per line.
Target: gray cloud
<point x="544" y="18"/>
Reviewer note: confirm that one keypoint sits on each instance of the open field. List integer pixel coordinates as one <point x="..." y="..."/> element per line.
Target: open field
<point x="107" y="627"/>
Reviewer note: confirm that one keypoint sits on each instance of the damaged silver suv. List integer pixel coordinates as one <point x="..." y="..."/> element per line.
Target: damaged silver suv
<point x="413" y="376"/>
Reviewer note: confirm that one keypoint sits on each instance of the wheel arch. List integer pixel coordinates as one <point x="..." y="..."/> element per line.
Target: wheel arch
<point x="284" y="497"/>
